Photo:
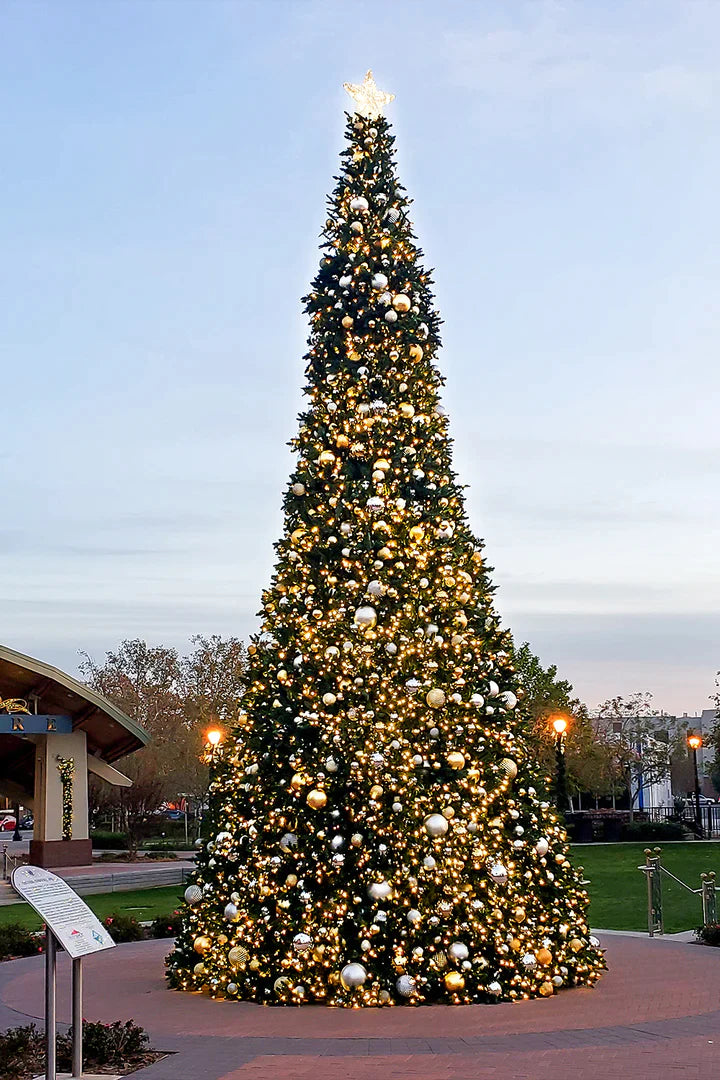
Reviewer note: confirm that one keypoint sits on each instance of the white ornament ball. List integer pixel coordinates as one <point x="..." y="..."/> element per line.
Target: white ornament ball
<point x="392" y="215"/>
<point x="365" y="617"/>
<point x="231" y="913"/>
<point x="429" y="862"/>
<point x="289" y="840"/>
<point x="542" y="847"/>
<point x="459" y="950"/>
<point x="298" y="489"/>
<point x="352" y="976"/>
<point x="495" y="988"/>
<point x="359" y="204"/>
<point x="329" y="699"/>
<point x="436" y="825"/>
<point x="379" y="281"/>
<point x="498" y="873"/>
<point x="494" y="689"/>
<point x="405" y="985"/>
<point x="391" y="648"/>
<point x="375" y="588"/>
<point x="193" y="894"/>
<point x="510" y="699"/>
<point x="379" y="890"/>
<point x="356" y="227"/>
<point x="529" y="961"/>
<point x="595" y="942"/>
<point x="413" y="916"/>
<point x="391" y="316"/>
<point x="478" y="700"/>
<point x="301" y="943"/>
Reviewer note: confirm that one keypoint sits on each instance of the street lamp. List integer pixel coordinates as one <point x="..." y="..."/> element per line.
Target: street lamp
<point x="213" y="738"/>
<point x="695" y="742"/>
<point x="559" y="726"/>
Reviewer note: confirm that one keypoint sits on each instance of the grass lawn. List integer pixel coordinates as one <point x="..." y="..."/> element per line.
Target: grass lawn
<point x="618" y="892"/>
<point x="144" y="904"/>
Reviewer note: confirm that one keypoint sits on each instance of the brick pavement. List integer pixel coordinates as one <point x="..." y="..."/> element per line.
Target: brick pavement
<point x="655" y="1014"/>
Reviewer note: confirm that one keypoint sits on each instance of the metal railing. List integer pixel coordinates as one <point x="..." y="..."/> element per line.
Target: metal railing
<point x="709" y="816"/>
<point x="9" y="862"/>
<point x="654" y="870"/>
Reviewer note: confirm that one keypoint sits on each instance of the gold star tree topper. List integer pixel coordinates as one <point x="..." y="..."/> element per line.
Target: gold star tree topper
<point x="369" y="100"/>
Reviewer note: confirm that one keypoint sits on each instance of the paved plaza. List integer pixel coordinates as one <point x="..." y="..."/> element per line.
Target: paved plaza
<point x="655" y="1014"/>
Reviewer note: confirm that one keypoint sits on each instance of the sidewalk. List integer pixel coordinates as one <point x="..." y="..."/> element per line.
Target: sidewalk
<point x="654" y="1014"/>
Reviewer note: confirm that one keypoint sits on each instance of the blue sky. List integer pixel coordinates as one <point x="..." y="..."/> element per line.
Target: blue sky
<point x="165" y="167"/>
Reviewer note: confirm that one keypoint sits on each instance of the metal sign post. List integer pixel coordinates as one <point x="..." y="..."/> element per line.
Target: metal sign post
<point x="70" y="923"/>
<point x="50" y="1015"/>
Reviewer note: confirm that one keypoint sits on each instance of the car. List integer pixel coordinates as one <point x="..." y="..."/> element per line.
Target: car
<point x="27" y="822"/>
<point x="7" y="823"/>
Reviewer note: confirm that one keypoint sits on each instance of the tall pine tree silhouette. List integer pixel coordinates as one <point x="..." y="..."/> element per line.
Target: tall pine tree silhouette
<point x="380" y="833"/>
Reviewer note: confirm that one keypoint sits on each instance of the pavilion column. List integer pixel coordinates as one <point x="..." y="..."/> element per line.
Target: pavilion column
<point x="48" y="846"/>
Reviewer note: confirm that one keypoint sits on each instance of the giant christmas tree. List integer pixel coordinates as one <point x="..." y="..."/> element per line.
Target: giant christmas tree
<point x="380" y="834"/>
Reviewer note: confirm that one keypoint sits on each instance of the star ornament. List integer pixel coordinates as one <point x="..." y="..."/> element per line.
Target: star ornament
<point x="369" y="100"/>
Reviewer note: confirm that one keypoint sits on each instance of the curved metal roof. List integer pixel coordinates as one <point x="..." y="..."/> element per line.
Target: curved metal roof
<point x="110" y="733"/>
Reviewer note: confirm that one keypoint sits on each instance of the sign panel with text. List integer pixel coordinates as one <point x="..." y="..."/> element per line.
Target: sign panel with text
<point x="75" y="926"/>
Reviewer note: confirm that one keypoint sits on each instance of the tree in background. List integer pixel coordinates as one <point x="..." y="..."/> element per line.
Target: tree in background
<point x="174" y="697"/>
<point x="714" y="770"/>
<point x="589" y="755"/>
<point x="384" y="832"/>
<point x="641" y="743"/>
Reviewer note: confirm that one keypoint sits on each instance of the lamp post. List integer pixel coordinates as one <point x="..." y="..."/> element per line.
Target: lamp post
<point x="213" y="738"/>
<point x="559" y="726"/>
<point x="695" y="742"/>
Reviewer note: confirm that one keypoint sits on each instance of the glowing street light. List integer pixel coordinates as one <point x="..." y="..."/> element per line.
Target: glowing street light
<point x="695" y="742"/>
<point x="214" y="737"/>
<point x="559" y="725"/>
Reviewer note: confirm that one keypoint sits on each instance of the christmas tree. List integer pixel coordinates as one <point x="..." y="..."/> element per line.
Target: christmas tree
<point x="380" y="834"/>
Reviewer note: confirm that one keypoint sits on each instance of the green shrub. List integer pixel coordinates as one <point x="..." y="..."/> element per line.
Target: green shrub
<point x="123" y="927"/>
<point x="709" y="935"/>
<point x="166" y="925"/>
<point x="652" y="830"/>
<point x="163" y="854"/>
<point x="21" y="1051"/>
<point x="118" y="1044"/>
<point x="115" y="841"/>
<point x="17" y="940"/>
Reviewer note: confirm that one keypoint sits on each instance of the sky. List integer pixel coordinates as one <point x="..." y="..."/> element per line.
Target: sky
<point x="165" y="169"/>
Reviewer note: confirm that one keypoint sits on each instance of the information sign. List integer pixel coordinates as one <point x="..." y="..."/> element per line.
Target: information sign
<point x="75" y="926"/>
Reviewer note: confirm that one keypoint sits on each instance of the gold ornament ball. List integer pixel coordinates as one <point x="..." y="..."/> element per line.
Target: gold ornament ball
<point x="416" y="352"/>
<point x="238" y="955"/>
<point x="254" y="964"/>
<point x="407" y="410"/>
<point x="297" y="781"/>
<point x="281" y="985"/>
<point x="347" y="321"/>
<point x="515" y="944"/>
<point x="326" y="457"/>
<point x="575" y="944"/>
<point x="342" y="442"/>
<point x="297" y="535"/>
<point x="316" y="799"/>
<point x="519" y="914"/>
<point x="546" y="989"/>
<point x="416" y="533"/>
<point x="376" y="791"/>
<point x="199" y="969"/>
<point x="401" y="302"/>
<point x="383" y="464"/>
<point x="509" y="768"/>
<point x="448" y="813"/>
<point x="201" y="944"/>
<point x="291" y="880"/>
<point x="544" y="957"/>
<point x="454" y="981"/>
<point x="456" y="760"/>
<point x="435" y="698"/>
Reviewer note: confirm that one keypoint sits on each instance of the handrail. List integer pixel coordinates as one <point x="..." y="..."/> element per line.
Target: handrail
<point x="653" y="870"/>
